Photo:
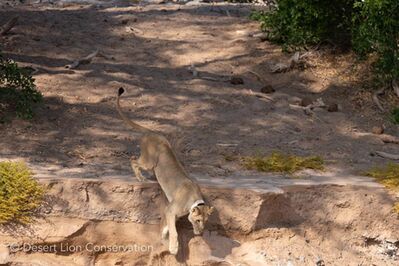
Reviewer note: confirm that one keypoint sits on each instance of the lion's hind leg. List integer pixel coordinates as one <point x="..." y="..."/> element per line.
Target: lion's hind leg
<point x="137" y="169"/>
<point x="143" y="163"/>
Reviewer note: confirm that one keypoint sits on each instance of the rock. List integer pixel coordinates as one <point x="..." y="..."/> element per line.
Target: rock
<point x="320" y="262"/>
<point x="101" y="201"/>
<point x="211" y="246"/>
<point x="193" y="3"/>
<point x="297" y="129"/>
<point x="278" y="67"/>
<point x="262" y="36"/>
<point x="332" y="107"/>
<point x="267" y="89"/>
<point x="306" y="101"/>
<point x="55" y="229"/>
<point x="4" y="255"/>
<point x="236" y="80"/>
<point x="124" y="21"/>
<point x="294" y="100"/>
<point x="139" y="202"/>
<point x="378" y="130"/>
<point x="195" y="152"/>
<point x="388" y="249"/>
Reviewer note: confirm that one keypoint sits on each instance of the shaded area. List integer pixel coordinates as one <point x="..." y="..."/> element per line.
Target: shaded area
<point x="77" y="132"/>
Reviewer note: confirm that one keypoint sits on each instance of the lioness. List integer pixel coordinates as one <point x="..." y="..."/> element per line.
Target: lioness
<point x="183" y="194"/>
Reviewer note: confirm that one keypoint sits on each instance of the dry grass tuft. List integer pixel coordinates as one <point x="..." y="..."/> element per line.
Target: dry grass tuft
<point x="387" y="175"/>
<point x="282" y="163"/>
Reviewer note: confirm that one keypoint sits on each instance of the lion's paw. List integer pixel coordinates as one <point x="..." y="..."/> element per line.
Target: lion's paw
<point x="174" y="248"/>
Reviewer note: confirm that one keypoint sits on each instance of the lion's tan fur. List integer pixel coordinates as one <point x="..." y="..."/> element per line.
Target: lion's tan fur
<point x="182" y="192"/>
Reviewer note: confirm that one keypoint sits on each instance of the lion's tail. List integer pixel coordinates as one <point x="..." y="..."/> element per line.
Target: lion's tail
<point x="136" y="127"/>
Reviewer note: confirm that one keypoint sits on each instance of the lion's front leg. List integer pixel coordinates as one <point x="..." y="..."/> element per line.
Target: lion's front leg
<point x="171" y="226"/>
<point x="165" y="232"/>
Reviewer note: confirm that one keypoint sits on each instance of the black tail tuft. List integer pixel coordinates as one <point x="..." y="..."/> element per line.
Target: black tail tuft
<point x="121" y="91"/>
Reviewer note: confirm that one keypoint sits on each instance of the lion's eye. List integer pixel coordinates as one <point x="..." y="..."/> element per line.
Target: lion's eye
<point x="198" y="221"/>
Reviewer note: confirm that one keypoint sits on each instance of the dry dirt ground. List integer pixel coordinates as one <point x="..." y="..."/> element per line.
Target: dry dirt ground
<point x="77" y="132"/>
<point x="304" y="225"/>
<point x="148" y="50"/>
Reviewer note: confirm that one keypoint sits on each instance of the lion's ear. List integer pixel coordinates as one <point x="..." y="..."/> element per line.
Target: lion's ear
<point x="210" y="210"/>
<point x="195" y="211"/>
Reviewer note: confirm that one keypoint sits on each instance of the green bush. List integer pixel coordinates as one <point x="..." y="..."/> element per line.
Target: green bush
<point x="376" y="30"/>
<point x="395" y="115"/>
<point x="17" y="89"/>
<point x="369" y="26"/>
<point x="20" y="194"/>
<point x="297" y="23"/>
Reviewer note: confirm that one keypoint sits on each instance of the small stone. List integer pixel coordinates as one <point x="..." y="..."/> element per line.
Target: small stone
<point x="193" y="3"/>
<point x="267" y="89"/>
<point x="294" y="100"/>
<point x="124" y="21"/>
<point x="235" y="80"/>
<point x="297" y="129"/>
<point x="306" y="101"/>
<point x="378" y="130"/>
<point x="289" y="263"/>
<point x="4" y="255"/>
<point x="320" y="262"/>
<point x="333" y="107"/>
<point x="195" y="152"/>
<point x="262" y="36"/>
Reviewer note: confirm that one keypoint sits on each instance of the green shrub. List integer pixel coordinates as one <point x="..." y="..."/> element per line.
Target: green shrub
<point x="395" y="115"/>
<point x="283" y="163"/>
<point x="20" y="194"/>
<point x="369" y="26"/>
<point x="17" y="90"/>
<point x="376" y="30"/>
<point x="297" y="23"/>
